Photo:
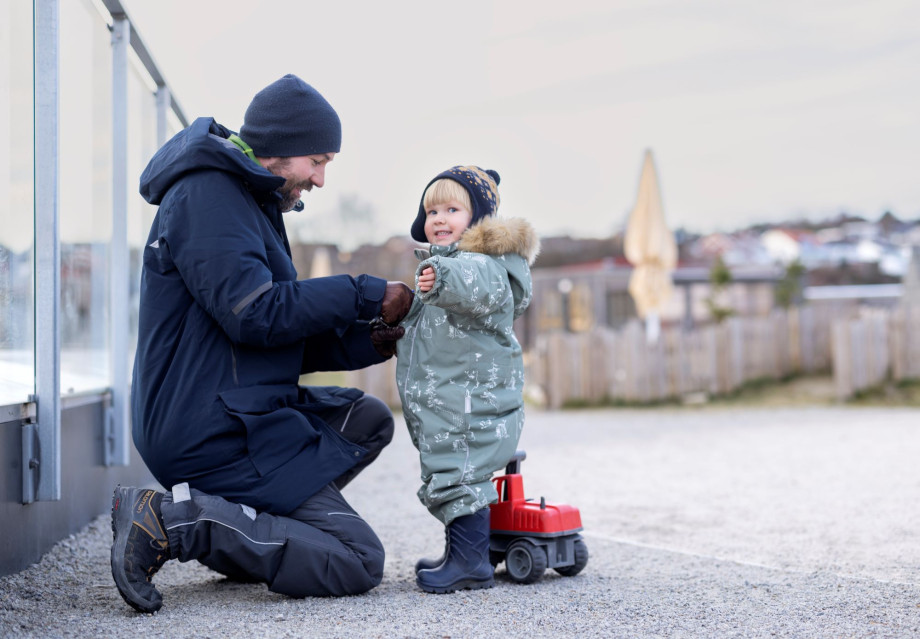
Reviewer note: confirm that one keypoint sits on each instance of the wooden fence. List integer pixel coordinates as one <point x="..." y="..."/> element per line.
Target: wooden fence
<point x="861" y="347"/>
<point x="605" y="365"/>
<point x="378" y="380"/>
<point x="876" y="346"/>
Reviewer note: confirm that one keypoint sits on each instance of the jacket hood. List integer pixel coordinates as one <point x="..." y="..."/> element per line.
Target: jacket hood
<point x="204" y="145"/>
<point x="500" y="236"/>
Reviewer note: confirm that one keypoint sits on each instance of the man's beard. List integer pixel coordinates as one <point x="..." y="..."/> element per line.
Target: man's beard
<point x="288" y="200"/>
<point x="279" y="167"/>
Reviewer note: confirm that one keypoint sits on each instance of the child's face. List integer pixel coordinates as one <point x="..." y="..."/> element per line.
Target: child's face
<point x="445" y="223"/>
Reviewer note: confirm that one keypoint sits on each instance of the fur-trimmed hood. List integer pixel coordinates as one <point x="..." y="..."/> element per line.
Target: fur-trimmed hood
<point x="499" y="236"/>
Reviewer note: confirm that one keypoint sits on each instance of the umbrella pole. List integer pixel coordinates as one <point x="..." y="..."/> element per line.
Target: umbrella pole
<point x="652" y="327"/>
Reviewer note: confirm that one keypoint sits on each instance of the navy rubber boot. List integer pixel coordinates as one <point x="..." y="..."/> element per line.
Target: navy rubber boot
<point x="427" y="563"/>
<point x="467" y="565"/>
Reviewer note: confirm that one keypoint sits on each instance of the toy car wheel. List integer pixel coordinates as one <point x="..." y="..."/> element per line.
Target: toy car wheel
<point x="525" y="562"/>
<point x="581" y="560"/>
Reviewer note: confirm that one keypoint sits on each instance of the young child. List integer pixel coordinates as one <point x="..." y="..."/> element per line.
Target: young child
<point x="459" y="369"/>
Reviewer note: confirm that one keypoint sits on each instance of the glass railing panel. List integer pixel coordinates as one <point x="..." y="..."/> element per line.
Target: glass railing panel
<point x="17" y="197"/>
<point x="86" y="196"/>
<point x="142" y="144"/>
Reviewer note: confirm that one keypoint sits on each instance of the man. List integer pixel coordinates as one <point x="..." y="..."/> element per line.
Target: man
<point x="255" y="462"/>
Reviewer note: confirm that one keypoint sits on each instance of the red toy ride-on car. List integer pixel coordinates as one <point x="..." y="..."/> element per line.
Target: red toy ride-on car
<point x="531" y="537"/>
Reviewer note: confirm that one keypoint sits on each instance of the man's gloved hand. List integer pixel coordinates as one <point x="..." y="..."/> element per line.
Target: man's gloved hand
<point x="384" y="339"/>
<point x="396" y="303"/>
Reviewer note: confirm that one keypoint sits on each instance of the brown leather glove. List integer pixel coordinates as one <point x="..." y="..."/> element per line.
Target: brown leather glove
<point x="384" y="339"/>
<point x="396" y="303"/>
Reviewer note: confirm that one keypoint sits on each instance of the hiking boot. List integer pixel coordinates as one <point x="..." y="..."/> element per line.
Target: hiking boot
<point x="140" y="546"/>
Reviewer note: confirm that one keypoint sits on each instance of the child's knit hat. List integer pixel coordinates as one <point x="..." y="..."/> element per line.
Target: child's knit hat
<point x="290" y="118"/>
<point x="481" y="184"/>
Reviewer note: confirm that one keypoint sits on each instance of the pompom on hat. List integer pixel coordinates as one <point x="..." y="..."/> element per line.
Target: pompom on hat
<point x="290" y="118"/>
<point x="481" y="184"/>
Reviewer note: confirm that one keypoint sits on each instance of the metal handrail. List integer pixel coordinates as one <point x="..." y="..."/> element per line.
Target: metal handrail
<point x="116" y="10"/>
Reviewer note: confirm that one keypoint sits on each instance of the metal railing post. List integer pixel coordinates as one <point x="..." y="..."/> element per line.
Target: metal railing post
<point x="47" y="459"/>
<point x="164" y="104"/>
<point x="116" y="449"/>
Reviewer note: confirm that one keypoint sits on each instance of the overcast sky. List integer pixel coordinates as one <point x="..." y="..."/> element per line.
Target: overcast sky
<point x="755" y="111"/>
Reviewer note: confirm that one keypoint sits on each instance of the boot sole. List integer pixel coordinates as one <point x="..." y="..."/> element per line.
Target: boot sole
<point x="122" y="518"/>
<point x="463" y="584"/>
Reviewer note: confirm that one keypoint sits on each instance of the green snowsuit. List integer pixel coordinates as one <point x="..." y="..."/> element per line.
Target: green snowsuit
<point x="459" y="369"/>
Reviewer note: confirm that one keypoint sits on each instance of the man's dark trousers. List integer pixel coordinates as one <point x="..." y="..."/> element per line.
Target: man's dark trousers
<point x="322" y="548"/>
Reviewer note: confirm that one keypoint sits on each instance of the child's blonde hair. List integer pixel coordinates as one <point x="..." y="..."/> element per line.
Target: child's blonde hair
<point x="445" y="190"/>
<point x="473" y="187"/>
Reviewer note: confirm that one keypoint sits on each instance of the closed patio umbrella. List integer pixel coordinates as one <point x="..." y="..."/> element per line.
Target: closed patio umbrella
<point x="650" y="247"/>
<point x="321" y="266"/>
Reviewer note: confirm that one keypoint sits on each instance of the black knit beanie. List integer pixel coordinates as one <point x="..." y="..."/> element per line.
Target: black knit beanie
<point x="290" y="118"/>
<point x="481" y="184"/>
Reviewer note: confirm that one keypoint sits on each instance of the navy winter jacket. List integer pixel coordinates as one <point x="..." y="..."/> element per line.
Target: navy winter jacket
<point x="226" y="328"/>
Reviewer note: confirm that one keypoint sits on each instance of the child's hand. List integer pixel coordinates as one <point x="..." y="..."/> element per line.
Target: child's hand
<point x="426" y="280"/>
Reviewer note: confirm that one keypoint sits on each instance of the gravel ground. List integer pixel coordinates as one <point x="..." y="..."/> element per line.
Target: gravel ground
<point x="701" y="522"/>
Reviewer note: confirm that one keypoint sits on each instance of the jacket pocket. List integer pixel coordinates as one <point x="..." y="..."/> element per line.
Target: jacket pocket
<point x="276" y="432"/>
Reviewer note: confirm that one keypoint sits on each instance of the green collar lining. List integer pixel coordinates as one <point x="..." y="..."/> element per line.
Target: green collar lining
<point x="245" y="148"/>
